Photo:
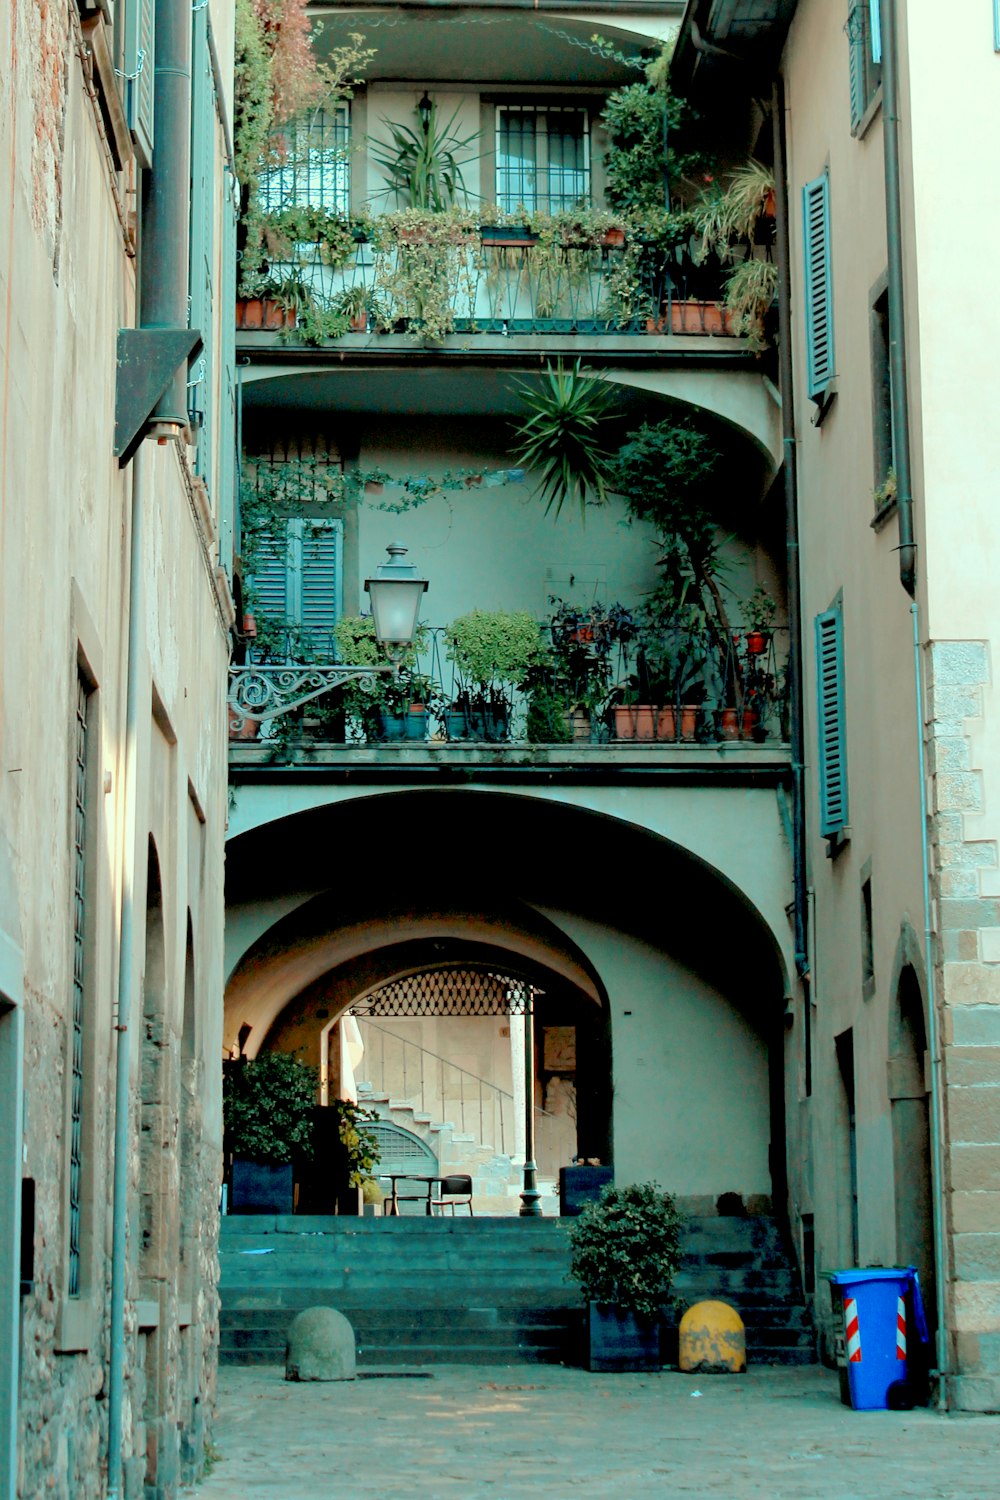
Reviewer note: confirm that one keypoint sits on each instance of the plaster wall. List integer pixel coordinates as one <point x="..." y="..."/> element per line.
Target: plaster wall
<point x="844" y="556"/>
<point x="67" y="284"/>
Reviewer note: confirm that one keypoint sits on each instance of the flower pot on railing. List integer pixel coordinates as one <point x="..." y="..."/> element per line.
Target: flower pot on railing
<point x="613" y="238"/>
<point x="737" y="725"/>
<point x="517" y="235"/>
<point x="264" y="314"/>
<point x="690" y="317"/>
<point x="579" y="724"/>
<point x="643" y="721"/>
<point x="757" y="642"/>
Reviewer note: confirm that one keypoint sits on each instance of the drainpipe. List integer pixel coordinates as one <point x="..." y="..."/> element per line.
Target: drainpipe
<point x="908" y="578"/>
<point x="163" y="294"/>
<point x="789" y="466"/>
<point x="897" y="330"/>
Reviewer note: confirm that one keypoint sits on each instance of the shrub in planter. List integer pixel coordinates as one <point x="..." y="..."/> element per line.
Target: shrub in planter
<point x="267" y="1105"/>
<point x="625" y="1255"/>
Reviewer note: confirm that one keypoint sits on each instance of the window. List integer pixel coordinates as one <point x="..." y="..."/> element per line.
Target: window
<point x="881" y="392"/>
<point x="832" y="736"/>
<point x="864" y="36"/>
<point x="81" y="801"/>
<point x="298" y="573"/>
<point x="315" y="165"/>
<point x="819" y="290"/>
<point x="543" y="157"/>
<point x="867" y="937"/>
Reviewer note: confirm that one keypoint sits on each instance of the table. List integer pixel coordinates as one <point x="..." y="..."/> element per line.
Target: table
<point x="391" y="1204"/>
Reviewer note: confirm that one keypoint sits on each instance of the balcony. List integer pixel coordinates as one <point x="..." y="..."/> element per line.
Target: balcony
<point x="447" y="280"/>
<point x="590" y="696"/>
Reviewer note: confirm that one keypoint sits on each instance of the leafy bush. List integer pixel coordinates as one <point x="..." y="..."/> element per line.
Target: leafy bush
<point x="493" y="646"/>
<point x="267" y="1106"/>
<point x="626" y="1248"/>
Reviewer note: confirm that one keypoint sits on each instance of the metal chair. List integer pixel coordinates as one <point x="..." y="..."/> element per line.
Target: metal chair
<point x="458" y="1188"/>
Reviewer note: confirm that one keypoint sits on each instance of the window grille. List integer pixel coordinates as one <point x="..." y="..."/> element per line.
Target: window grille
<point x="542" y="157"/>
<point x="314" y="170"/>
<point x="79" y="964"/>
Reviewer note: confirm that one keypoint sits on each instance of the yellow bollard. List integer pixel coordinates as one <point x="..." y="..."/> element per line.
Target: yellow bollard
<point x="713" y="1340"/>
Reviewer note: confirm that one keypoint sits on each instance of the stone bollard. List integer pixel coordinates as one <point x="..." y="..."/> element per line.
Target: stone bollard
<point x="713" y="1340"/>
<point x="320" y="1346"/>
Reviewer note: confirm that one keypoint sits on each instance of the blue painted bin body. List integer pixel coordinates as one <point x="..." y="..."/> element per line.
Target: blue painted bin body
<point x="874" y="1361"/>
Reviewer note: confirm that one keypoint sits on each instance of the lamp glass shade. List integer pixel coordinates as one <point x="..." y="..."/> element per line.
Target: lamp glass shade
<point x="395" y="608"/>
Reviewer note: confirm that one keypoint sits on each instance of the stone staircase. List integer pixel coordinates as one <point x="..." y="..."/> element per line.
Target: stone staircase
<point x="422" y="1291"/>
<point x="496" y="1182"/>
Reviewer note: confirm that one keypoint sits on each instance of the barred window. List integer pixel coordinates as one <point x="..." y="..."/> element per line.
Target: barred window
<point x="543" y="157"/>
<point x="315" y="165"/>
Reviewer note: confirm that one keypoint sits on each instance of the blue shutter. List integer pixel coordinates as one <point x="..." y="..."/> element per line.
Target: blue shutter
<point x="831" y="726"/>
<point x="321" y="572"/>
<point x="856" y="46"/>
<point x="819" y="286"/>
<point x="875" y="28"/>
<point x="140" y="17"/>
<point x="203" y="163"/>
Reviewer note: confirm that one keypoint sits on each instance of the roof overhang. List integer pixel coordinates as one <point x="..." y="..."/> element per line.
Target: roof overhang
<point x="722" y="41"/>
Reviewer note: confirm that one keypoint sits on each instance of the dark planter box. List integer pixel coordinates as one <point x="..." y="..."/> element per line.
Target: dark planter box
<point x="580" y="1185"/>
<point x="619" y="1340"/>
<point x="260" y="1187"/>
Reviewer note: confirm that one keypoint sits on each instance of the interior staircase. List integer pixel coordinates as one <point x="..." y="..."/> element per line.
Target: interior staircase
<point x="422" y="1291"/>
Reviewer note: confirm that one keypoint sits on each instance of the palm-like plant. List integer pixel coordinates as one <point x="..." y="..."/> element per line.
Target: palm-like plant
<point x="561" y="436"/>
<point x="421" y="166"/>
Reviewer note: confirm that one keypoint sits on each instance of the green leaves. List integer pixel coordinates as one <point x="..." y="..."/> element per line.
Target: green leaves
<point x="267" y="1106"/>
<point x="626" y="1248"/>
<point x="421" y="166"/>
<point x="562" y="436"/>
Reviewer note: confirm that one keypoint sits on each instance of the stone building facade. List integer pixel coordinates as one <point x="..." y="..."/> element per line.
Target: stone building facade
<point x="116" y="479"/>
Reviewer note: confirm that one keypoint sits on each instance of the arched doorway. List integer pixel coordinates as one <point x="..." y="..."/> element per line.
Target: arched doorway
<point x="911" y="1139"/>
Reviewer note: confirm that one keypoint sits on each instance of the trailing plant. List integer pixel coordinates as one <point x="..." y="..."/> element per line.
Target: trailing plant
<point x="562" y="436"/>
<point x="267" y="1105"/>
<point x="426" y="268"/>
<point x="625" y="1248"/>
<point x="735" y="214"/>
<point x="421" y="166"/>
<point x="750" y="292"/>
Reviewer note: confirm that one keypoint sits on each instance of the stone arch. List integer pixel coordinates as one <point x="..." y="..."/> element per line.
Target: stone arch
<point x="910" y="1114"/>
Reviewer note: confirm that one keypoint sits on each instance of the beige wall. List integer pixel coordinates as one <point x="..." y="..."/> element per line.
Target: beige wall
<point x="67" y="284"/>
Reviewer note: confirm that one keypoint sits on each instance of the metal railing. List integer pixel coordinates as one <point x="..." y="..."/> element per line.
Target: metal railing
<point x="509" y="281"/>
<point x="401" y="1069"/>
<point x="671" y="685"/>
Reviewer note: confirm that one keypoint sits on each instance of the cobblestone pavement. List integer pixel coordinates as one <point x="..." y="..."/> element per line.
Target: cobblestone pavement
<point x="532" y="1430"/>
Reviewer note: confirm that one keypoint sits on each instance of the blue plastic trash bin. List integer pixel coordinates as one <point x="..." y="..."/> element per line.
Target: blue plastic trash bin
<point x="876" y="1306"/>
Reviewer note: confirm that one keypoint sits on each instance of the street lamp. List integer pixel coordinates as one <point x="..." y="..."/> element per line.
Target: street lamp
<point x="266" y="690"/>
<point x="424" y="111"/>
<point x="396" y="594"/>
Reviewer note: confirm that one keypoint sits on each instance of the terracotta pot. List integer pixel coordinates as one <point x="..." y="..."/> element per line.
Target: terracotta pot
<point x="770" y="208"/>
<point x="730" y="726"/>
<point x="249" y="627"/>
<point x="689" y="721"/>
<point x="249" y="729"/>
<point x="359" y="323"/>
<point x="699" y="318"/>
<point x="614" y="237"/>
<point x="642" y="721"/>
<point x="757" y="642"/>
<point x="254" y="313"/>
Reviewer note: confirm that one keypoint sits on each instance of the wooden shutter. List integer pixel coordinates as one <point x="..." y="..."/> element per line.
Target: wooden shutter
<point x="140" y="17"/>
<point x="319" y="592"/>
<point x="830" y="710"/>
<point x="203" y="208"/>
<point x="271" y="573"/>
<point x="856" y="46"/>
<point x="819" y="286"/>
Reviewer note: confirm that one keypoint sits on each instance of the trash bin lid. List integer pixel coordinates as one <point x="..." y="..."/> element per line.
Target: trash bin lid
<point x="872" y="1273"/>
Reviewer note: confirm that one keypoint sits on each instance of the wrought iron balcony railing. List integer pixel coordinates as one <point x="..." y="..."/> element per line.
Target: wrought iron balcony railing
<point x="492" y="281"/>
<point x="671" y="685"/>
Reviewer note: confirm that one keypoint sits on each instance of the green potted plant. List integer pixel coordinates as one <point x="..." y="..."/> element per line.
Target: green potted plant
<point x="625" y="1253"/>
<point x="761" y="609"/>
<point x="561" y="435"/>
<point x="267" y="1106"/>
<point x="493" y="651"/>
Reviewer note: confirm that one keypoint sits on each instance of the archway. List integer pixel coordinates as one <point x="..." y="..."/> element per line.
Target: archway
<point x="682" y="971"/>
<point x="911" y="1141"/>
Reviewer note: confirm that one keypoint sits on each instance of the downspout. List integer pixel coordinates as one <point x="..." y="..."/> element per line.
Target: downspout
<point x="908" y="578"/>
<point x="790" y="469"/>
<point x="163" y="303"/>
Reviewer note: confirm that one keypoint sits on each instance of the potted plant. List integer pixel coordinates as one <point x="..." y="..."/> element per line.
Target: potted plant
<point x="760" y="612"/>
<point x="267" y="1105"/>
<point x="492" y="652"/>
<point x="625" y="1253"/>
<point x="561" y="436"/>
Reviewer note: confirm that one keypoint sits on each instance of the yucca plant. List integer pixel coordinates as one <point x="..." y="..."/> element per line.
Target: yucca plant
<point x="421" y="166"/>
<point x="562" y="436"/>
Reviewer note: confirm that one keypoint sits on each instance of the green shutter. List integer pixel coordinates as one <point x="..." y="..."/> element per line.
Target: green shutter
<point x="226" y="427"/>
<point x="819" y="286"/>
<point x="831" y="726"/>
<point x="298" y="574"/>
<point x="875" y="29"/>
<point x="856" y="52"/>
<point x="203" y="163"/>
<point x="140" y="21"/>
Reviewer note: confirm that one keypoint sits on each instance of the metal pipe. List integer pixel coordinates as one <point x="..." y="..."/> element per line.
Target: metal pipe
<point x="933" y="1042"/>
<point x="126" y="964"/>
<point x="898" y="398"/>
<point x="790" y="470"/>
<point x="530" y="1205"/>
<point x="163" y="268"/>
